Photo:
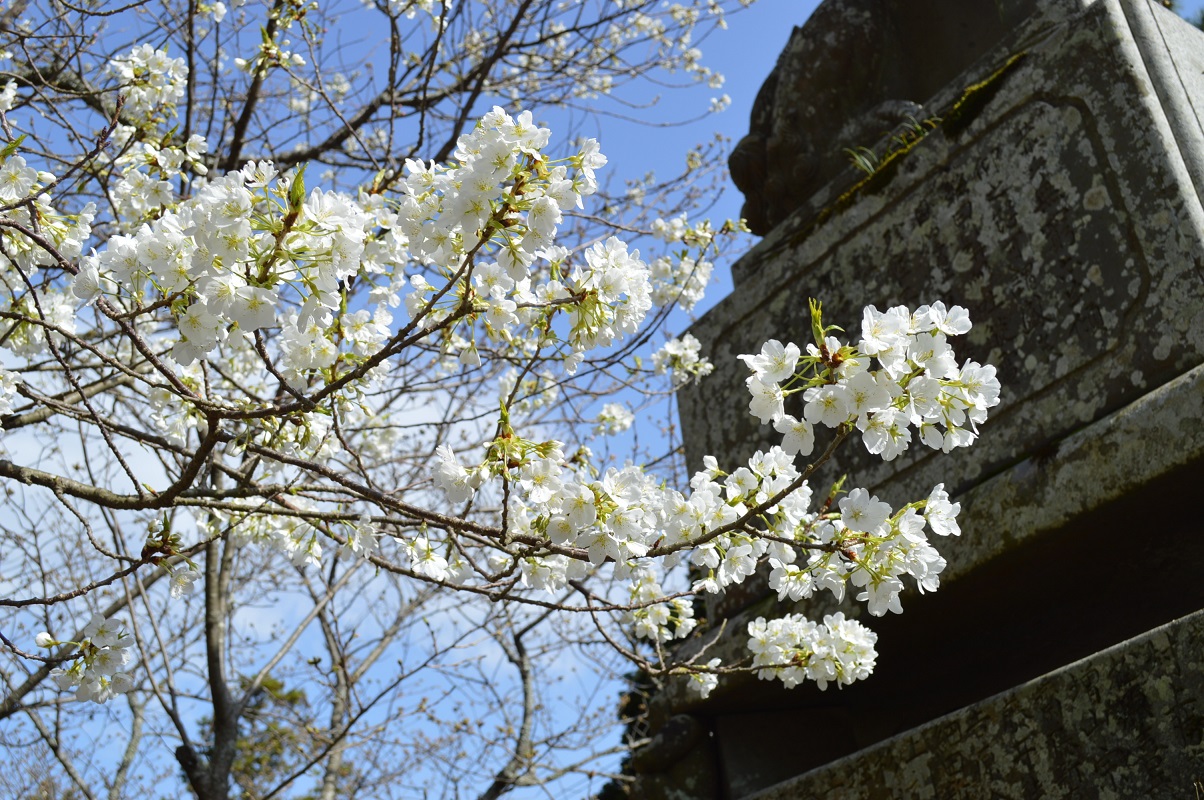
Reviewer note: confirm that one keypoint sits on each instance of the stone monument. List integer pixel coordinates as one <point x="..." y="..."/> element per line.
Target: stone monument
<point x="1041" y="163"/>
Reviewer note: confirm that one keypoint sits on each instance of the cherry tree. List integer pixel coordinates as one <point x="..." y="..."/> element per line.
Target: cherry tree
<point x="312" y="341"/>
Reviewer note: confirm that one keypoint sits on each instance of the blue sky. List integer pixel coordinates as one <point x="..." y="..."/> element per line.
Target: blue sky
<point x="744" y="53"/>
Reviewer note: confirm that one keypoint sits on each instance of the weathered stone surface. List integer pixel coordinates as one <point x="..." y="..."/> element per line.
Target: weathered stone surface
<point x="1063" y="215"/>
<point x="855" y="71"/>
<point x="678" y="737"/>
<point x="678" y="765"/>
<point x="1172" y="54"/>
<point x="1125" y="723"/>
<point x="1060" y="201"/>
<point x="1127" y="454"/>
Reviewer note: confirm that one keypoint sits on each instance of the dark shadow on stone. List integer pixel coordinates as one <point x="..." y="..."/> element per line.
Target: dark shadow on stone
<point x="1112" y="574"/>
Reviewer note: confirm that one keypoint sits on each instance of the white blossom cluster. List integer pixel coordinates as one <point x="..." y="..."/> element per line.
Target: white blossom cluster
<point x="614" y="418"/>
<point x="682" y="359"/>
<point x="8" y="96"/>
<point x="17" y="179"/>
<point x="243" y="285"/>
<point x="9" y="382"/>
<point x="225" y="270"/>
<point x="613" y="517"/>
<point x="918" y="383"/>
<point x="681" y="280"/>
<point x="731" y="557"/>
<point x="625" y="515"/>
<point x="253" y="251"/>
<point x="99" y="671"/>
<point x="148" y="167"/>
<point x="21" y="259"/>
<point x="658" y="621"/>
<point x="793" y="649"/>
<point x="870" y="547"/>
<point x="151" y="81"/>
<point x="705" y="680"/>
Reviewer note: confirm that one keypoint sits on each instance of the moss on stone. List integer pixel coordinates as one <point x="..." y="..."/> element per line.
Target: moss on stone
<point x="952" y="123"/>
<point x="976" y="97"/>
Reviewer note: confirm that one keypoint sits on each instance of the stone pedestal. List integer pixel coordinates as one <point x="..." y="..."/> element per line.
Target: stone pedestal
<point x="1125" y="723"/>
<point x="1056" y="195"/>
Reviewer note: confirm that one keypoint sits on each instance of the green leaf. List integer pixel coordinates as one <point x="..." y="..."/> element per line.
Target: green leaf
<point x="296" y="190"/>
<point x="817" y="321"/>
<point x="11" y="147"/>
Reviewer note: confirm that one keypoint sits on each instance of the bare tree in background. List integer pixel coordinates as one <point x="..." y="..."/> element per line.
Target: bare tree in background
<point x="285" y="660"/>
